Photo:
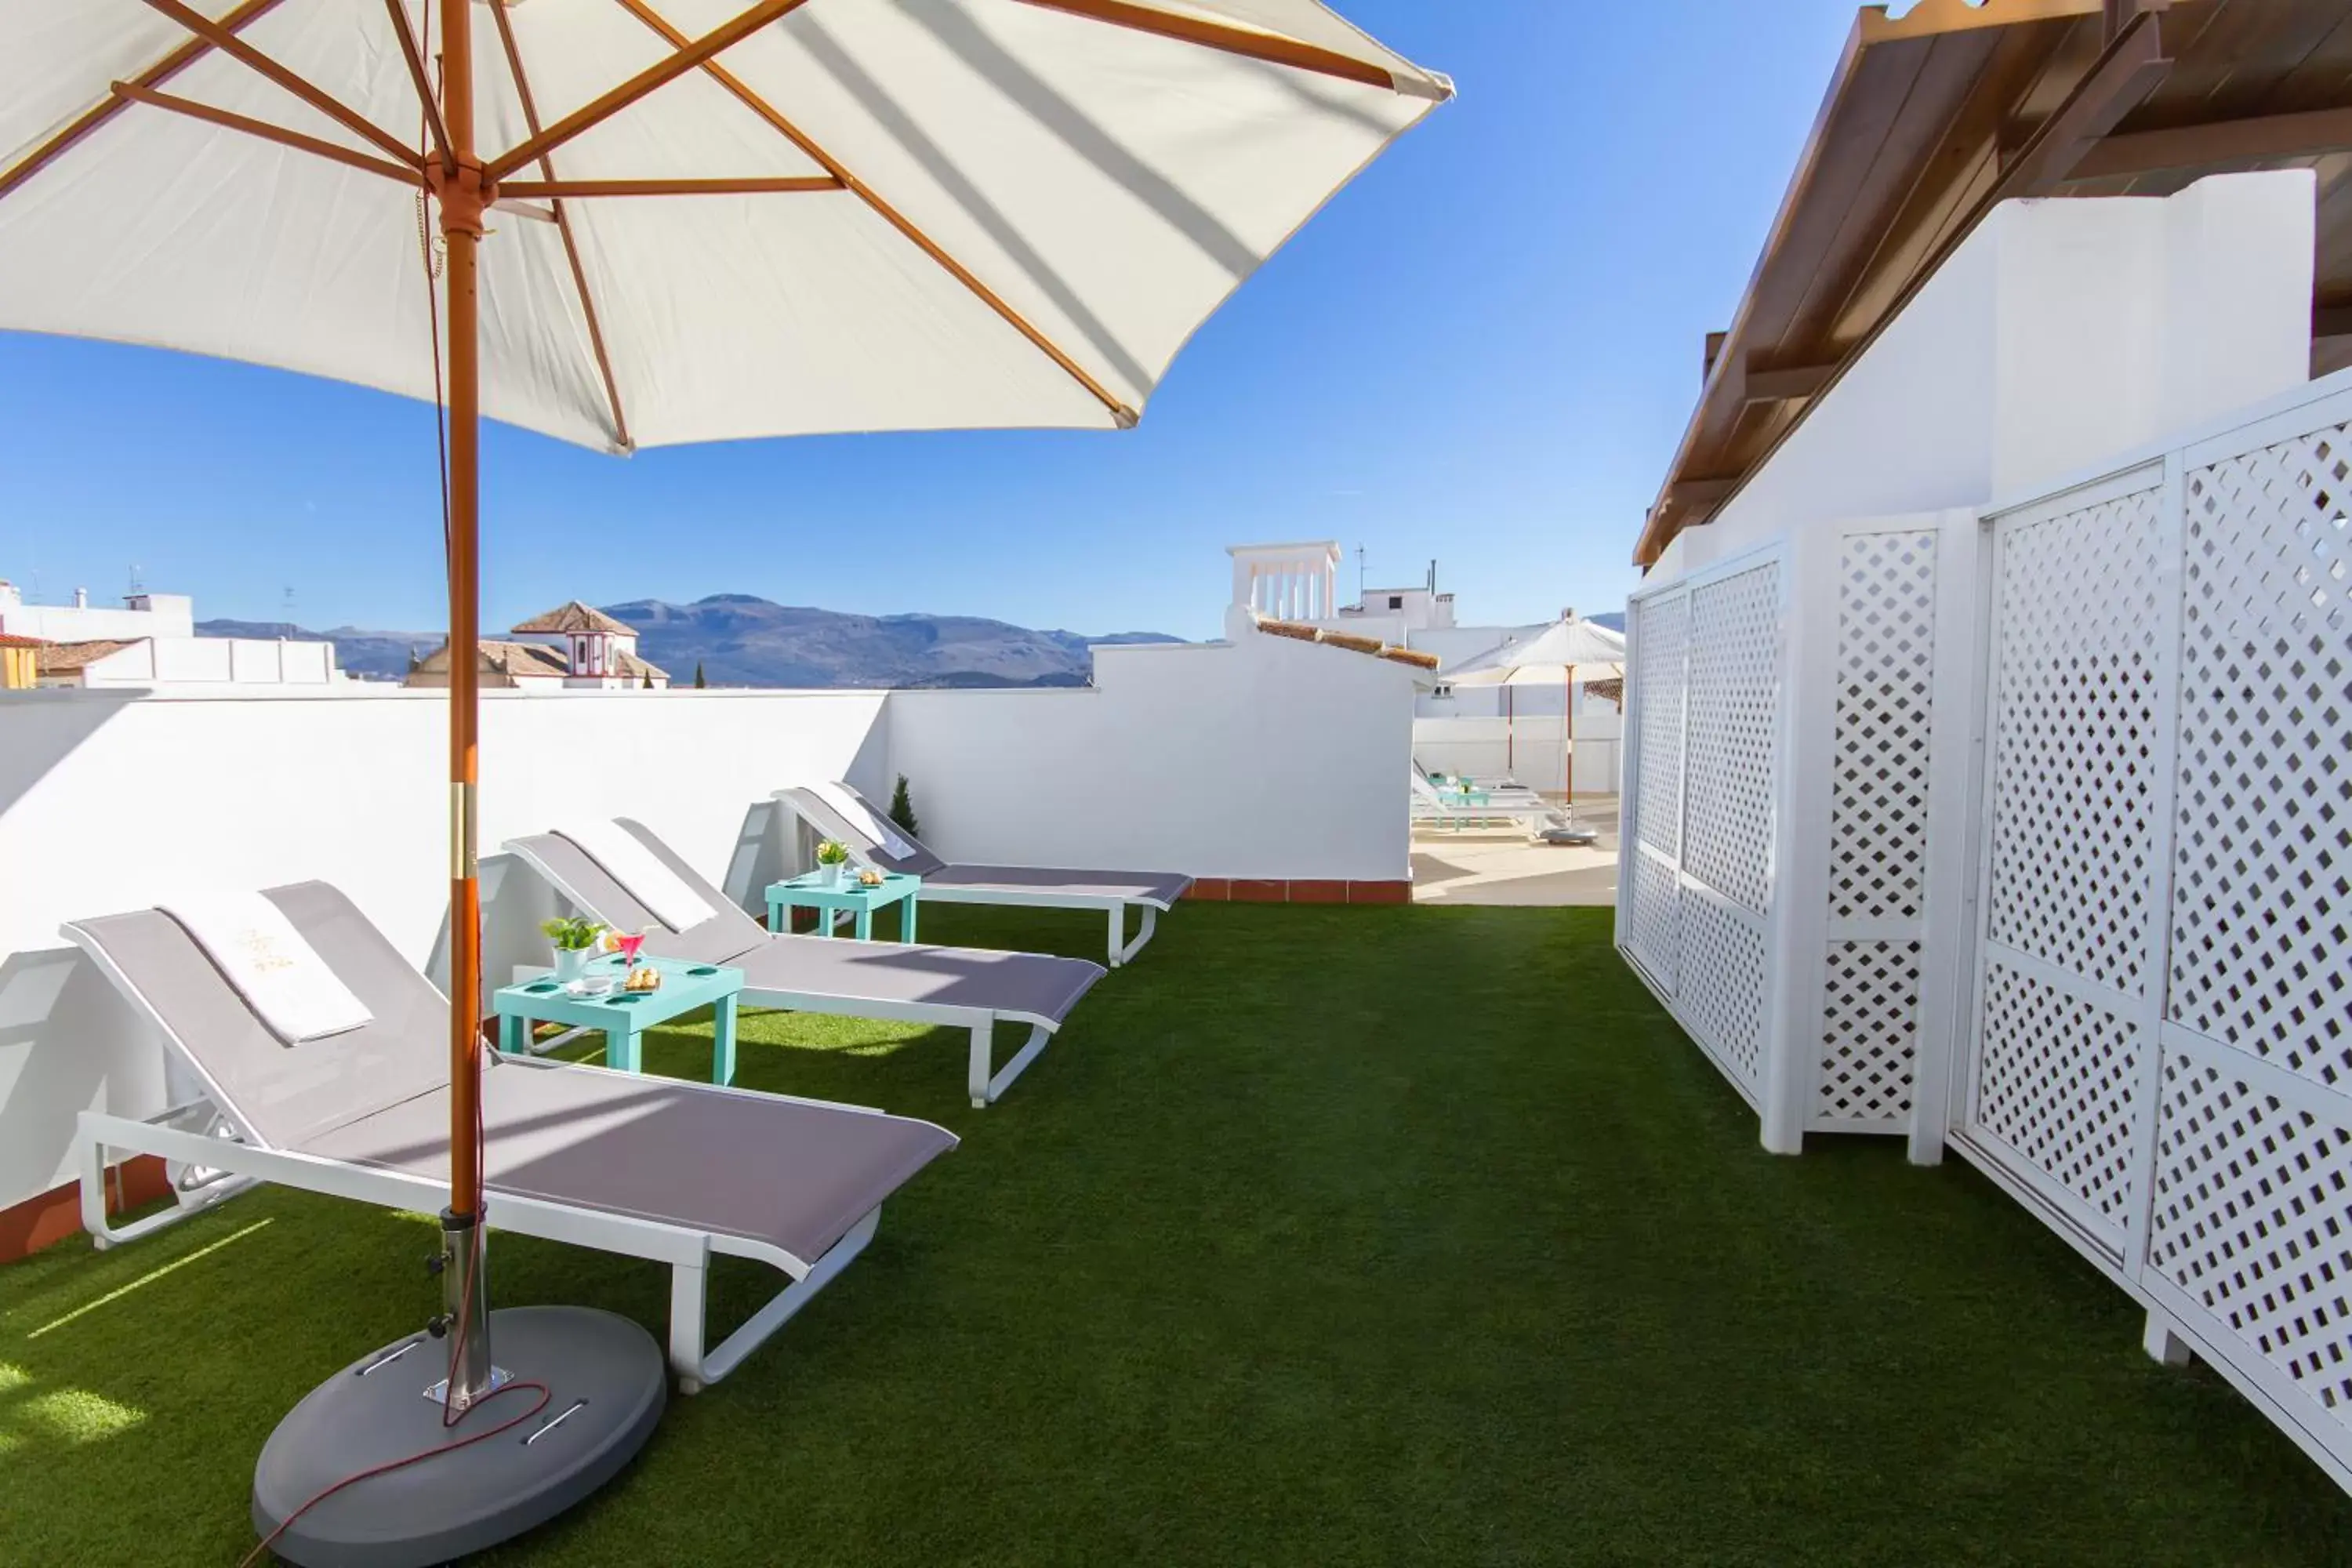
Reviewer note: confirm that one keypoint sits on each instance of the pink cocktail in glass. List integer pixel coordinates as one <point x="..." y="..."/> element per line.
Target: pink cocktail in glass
<point x="628" y="946"/>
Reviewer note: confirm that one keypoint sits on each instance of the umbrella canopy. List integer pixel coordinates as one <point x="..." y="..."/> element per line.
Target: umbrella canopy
<point x="627" y="223"/>
<point x="913" y="215"/>
<point x="1594" y="652"/>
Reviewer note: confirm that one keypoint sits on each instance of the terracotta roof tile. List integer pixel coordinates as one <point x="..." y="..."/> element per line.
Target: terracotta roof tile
<point x="1370" y="647"/>
<point x="63" y="657"/>
<point x="575" y="617"/>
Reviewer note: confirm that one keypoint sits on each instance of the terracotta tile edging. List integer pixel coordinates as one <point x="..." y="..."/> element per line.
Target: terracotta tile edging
<point x="46" y="1218"/>
<point x="1297" y="891"/>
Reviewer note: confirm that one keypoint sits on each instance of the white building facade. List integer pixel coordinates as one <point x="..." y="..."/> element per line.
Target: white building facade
<point x="150" y="640"/>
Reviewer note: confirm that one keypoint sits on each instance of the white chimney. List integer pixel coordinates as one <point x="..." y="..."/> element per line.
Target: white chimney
<point x="82" y="599"/>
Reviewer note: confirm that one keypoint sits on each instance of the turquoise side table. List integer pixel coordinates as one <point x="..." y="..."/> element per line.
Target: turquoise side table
<point x="623" y="1015"/>
<point x="809" y="892"/>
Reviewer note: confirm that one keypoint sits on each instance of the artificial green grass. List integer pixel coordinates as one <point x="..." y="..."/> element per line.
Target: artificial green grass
<point x="1320" y="1235"/>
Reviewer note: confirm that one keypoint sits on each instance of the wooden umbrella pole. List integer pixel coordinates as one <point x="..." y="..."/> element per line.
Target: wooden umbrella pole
<point x="461" y="201"/>
<point x="1568" y="737"/>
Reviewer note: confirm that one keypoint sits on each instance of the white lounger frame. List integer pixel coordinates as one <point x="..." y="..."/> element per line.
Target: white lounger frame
<point x="246" y="1160"/>
<point x="985" y="1082"/>
<point x="1121" y="950"/>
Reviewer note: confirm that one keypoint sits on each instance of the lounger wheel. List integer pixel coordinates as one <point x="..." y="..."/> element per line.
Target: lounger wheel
<point x="689" y="1386"/>
<point x="101" y="1244"/>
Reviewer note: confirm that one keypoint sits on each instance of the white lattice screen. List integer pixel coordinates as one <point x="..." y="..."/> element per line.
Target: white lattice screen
<point x="1878" y="830"/>
<point x="1699" y="860"/>
<point x="2160" y="1050"/>
<point x="2075" y="709"/>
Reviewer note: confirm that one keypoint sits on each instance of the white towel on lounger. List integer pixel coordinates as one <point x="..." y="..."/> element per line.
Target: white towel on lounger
<point x="280" y="976"/>
<point x="652" y="884"/>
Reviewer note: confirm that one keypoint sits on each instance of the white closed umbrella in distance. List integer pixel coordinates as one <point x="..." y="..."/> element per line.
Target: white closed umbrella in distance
<point x="629" y="223"/>
<point x="1568" y="652"/>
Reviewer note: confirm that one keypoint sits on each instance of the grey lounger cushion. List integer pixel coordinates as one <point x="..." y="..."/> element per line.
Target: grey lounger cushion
<point x="1159" y="887"/>
<point x="1035" y="987"/>
<point x="795" y="1175"/>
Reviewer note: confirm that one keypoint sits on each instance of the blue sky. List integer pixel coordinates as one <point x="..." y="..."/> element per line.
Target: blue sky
<point x="1483" y="351"/>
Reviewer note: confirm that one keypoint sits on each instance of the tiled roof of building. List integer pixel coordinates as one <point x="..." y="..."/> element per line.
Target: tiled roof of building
<point x="64" y="657"/>
<point x="636" y="668"/>
<point x="526" y="659"/>
<point x="573" y="616"/>
<point x="10" y="639"/>
<point x="1372" y="647"/>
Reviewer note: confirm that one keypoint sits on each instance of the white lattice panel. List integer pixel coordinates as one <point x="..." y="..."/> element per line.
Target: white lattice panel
<point x="1721" y="984"/>
<point x="1870" y="1034"/>
<point x="2075" y="723"/>
<point x="2057" y="1082"/>
<point x="2252" y="1219"/>
<point x="1659" y="643"/>
<point x="1657" y="923"/>
<point x="1886" y="664"/>
<point x="1734" y="689"/>
<point x="2261" y="952"/>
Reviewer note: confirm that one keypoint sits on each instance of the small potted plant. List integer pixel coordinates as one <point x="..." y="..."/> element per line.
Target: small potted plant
<point x="832" y="861"/>
<point x="574" y="937"/>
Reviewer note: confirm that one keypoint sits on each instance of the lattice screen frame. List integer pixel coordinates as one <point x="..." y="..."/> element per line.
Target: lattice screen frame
<point x="1733" y="1011"/>
<point x="2237" y="1232"/>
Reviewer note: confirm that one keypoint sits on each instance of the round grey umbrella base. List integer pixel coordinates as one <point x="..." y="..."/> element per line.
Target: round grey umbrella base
<point x="1570" y="836"/>
<point x="605" y="1370"/>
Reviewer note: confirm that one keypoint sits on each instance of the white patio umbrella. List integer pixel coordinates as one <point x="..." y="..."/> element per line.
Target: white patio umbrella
<point x="1572" y="651"/>
<point x="629" y="223"/>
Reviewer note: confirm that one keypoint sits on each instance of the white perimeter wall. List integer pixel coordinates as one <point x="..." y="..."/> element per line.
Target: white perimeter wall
<point x="1270" y="759"/>
<point x="2062" y="333"/>
<point x="1265" y="757"/>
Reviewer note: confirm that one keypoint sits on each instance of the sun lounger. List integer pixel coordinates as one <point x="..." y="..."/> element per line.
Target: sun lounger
<point x="953" y="987"/>
<point x="646" y="1167"/>
<point x="1112" y="892"/>
<point x="1529" y="810"/>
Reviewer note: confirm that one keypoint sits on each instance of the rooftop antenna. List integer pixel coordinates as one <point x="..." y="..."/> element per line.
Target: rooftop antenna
<point x="137" y="586"/>
<point x="1359" y="575"/>
<point x="1432" y="576"/>
<point x="287" y="610"/>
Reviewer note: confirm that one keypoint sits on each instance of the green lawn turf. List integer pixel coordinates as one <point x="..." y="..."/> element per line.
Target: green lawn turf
<point x="1320" y="1237"/>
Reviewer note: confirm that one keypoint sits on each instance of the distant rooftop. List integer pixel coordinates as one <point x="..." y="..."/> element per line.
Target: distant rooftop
<point x="575" y="617"/>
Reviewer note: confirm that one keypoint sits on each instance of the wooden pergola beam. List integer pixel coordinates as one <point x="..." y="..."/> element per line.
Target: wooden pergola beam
<point x="106" y="108"/>
<point x="130" y="92"/>
<point x="2180" y="149"/>
<point x="882" y="209"/>
<point x="1787" y="383"/>
<point x="725" y="35"/>
<point x="562" y="222"/>
<point x="2126" y="72"/>
<point x="326" y="103"/>
<point x="1268" y="47"/>
<point x="785" y="184"/>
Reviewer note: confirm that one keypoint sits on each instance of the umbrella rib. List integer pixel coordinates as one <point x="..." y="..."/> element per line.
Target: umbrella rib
<point x="325" y="103"/>
<point x="597" y="111"/>
<point x="563" y="228"/>
<point x="409" y="52"/>
<point x="1270" y="46"/>
<point x="786" y="185"/>
<point x="106" y="108"/>
<point x="130" y="92"/>
<point x="1120" y="411"/>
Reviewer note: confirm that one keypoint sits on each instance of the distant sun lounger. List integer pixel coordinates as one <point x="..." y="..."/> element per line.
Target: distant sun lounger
<point x="952" y="987"/>
<point x="645" y="1167"/>
<point x="875" y="841"/>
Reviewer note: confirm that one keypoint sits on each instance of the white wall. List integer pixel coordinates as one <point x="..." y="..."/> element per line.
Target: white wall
<point x="1274" y="759"/>
<point x="112" y="800"/>
<point x="167" y="614"/>
<point x="1267" y="757"/>
<point x="2061" y="332"/>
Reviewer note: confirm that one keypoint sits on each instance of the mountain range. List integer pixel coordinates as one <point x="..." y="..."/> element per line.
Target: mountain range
<point x="739" y="639"/>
